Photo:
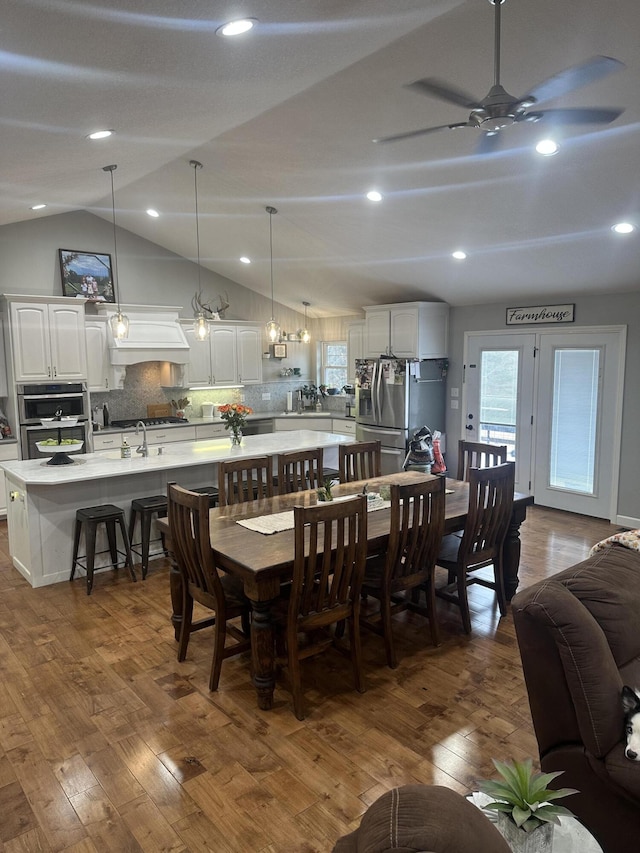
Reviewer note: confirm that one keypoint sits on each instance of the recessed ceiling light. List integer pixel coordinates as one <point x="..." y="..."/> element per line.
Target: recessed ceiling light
<point x="374" y="195"/>
<point x="623" y="228"/>
<point x="547" y="147"/>
<point x="37" y="206"/>
<point x="236" y="28"/>
<point x="153" y="213"/>
<point x="100" y="134"/>
<point x="245" y="260"/>
<point x="459" y="255"/>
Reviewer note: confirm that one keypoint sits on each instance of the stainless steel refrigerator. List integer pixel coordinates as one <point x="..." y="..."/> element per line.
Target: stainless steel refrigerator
<point x="394" y="398"/>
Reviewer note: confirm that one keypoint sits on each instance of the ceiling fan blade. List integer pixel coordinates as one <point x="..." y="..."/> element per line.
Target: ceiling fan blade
<point x="578" y="115"/>
<point x="573" y="78"/>
<point x="437" y="89"/>
<point x="489" y="143"/>
<point x="410" y="133"/>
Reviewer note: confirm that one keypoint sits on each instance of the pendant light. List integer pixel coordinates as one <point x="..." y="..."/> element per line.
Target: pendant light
<point x="200" y="325"/>
<point x="119" y="322"/>
<point x="303" y="333"/>
<point x="272" y="328"/>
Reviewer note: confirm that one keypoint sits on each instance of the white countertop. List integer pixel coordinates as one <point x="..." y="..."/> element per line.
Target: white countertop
<point x="95" y="466"/>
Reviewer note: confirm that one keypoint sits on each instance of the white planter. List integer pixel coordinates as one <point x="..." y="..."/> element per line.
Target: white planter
<point x="540" y="840"/>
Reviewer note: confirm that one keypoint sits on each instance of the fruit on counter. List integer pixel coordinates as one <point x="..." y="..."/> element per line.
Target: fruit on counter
<point x="52" y="442"/>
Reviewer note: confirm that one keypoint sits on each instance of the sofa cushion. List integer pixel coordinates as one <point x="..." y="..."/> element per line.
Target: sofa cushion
<point x="622" y="772"/>
<point x="608" y="584"/>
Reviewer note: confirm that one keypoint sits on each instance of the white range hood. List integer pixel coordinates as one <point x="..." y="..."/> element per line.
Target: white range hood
<point x="154" y="335"/>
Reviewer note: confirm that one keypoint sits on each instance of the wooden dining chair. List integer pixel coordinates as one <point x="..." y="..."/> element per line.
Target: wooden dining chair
<point x="490" y="506"/>
<point x="247" y="479"/>
<point x="299" y="470"/>
<point x="417" y="526"/>
<point x="475" y="454"/>
<point x="329" y="560"/>
<point x="361" y="460"/>
<point x="188" y="515"/>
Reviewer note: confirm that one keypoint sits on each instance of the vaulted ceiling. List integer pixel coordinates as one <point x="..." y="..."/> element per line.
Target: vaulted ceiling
<point x="285" y="115"/>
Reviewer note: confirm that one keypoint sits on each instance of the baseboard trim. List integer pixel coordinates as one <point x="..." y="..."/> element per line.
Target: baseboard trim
<point x="628" y="521"/>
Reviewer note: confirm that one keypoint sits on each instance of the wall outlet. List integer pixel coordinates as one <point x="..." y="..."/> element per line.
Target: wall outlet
<point x="242" y="398"/>
<point x="455" y="392"/>
<point x="454" y="404"/>
<point x="266" y="395"/>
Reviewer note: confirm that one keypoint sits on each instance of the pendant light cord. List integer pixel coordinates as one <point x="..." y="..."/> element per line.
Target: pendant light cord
<point x="271" y="211"/>
<point x="196" y="165"/>
<point x="116" y="293"/>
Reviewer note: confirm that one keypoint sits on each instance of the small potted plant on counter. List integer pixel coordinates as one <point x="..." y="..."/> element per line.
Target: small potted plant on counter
<point x="234" y="416"/>
<point x="521" y="798"/>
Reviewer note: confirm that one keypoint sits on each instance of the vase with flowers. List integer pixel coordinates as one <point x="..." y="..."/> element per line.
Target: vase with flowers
<point x="234" y="416"/>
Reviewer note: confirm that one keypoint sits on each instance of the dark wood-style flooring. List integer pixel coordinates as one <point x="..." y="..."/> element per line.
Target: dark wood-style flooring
<point x="108" y="744"/>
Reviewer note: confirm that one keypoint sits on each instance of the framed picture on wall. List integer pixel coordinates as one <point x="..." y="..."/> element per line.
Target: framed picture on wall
<point x="86" y="275"/>
<point x="279" y="350"/>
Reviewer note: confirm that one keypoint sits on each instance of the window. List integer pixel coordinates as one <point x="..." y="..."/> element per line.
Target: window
<point x="333" y="367"/>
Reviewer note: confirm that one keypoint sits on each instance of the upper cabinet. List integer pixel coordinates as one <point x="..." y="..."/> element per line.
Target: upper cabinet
<point x="47" y="340"/>
<point x="407" y="330"/>
<point x="355" y="347"/>
<point x="232" y="355"/>
<point x="100" y="373"/>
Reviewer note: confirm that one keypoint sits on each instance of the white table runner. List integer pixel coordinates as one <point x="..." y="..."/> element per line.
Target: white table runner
<point x="279" y="521"/>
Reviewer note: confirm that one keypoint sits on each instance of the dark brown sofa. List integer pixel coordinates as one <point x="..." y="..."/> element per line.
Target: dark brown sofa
<point x="579" y="639"/>
<point x="423" y="819"/>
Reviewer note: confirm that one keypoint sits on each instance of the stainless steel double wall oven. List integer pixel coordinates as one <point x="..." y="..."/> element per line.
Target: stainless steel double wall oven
<point x="43" y="400"/>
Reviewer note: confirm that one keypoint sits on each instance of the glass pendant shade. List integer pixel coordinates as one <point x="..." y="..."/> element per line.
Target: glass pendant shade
<point x="119" y="322"/>
<point x="119" y="326"/>
<point x="303" y="334"/>
<point x="201" y="327"/>
<point x="272" y="328"/>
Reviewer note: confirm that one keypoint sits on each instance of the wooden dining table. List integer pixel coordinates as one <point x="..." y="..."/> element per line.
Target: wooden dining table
<point x="263" y="562"/>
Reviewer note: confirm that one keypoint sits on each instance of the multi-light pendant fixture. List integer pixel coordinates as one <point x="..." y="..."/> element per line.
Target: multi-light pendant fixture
<point x="119" y="322"/>
<point x="200" y="324"/>
<point x="272" y="328"/>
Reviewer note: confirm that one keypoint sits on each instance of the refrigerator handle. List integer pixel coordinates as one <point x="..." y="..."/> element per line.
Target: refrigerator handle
<point x="378" y="394"/>
<point x="374" y="377"/>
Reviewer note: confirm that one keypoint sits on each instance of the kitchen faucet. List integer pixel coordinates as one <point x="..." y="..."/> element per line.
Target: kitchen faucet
<point x="144" y="448"/>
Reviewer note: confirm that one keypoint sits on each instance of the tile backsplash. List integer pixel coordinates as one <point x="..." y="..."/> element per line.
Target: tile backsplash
<point x="143" y="387"/>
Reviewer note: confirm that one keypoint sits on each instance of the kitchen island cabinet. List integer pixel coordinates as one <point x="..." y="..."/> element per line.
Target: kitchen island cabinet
<point x="43" y="499"/>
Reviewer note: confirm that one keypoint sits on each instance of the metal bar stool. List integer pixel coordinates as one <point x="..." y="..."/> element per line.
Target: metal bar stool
<point x="91" y="517"/>
<point x="146" y="508"/>
<point x="211" y="491"/>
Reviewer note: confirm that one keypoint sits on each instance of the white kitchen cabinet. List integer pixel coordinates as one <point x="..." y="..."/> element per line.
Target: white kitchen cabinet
<point x="48" y="340"/>
<point x="100" y="372"/>
<point x="8" y="451"/>
<point x="407" y="330"/>
<point x="207" y="431"/>
<point x="232" y="355"/>
<point x="343" y="427"/>
<point x="292" y="423"/>
<point x="355" y="347"/>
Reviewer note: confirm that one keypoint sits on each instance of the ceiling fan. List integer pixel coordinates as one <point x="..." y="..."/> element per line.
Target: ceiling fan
<point x="498" y="109"/>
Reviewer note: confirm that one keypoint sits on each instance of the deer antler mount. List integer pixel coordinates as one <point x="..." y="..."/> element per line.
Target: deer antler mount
<point x="210" y="311"/>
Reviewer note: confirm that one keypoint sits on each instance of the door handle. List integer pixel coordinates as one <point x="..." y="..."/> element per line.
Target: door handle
<point x="468" y="426"/>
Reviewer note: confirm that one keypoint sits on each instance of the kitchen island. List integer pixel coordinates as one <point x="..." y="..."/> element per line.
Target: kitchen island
<point x="42" y="499"/>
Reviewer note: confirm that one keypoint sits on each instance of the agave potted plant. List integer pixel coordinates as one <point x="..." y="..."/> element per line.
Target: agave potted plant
<point x="525" y="807"/>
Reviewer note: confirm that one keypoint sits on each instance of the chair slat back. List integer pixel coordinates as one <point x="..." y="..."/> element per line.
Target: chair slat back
<point x="490" y="506"/>
<point x="475" y="454"/>
<point x="188" y="516"/>
<point x="361" y="460"/>
<point x="329" y="561"/>
<point x="417" y="527"/>
<point x="299" y="470"/>
<point x="241" y="480"/>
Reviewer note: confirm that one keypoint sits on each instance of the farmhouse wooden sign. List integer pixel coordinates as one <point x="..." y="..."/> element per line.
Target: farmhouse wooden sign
<point x="540" y="314"/>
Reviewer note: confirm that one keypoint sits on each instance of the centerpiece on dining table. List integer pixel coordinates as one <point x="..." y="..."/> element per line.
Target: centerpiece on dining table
<point x="234" y="416"/>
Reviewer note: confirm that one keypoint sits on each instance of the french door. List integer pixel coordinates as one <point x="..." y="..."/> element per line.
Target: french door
<point x="556" y="400"/>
